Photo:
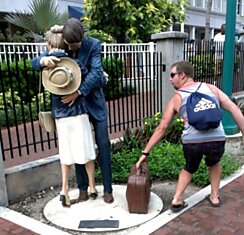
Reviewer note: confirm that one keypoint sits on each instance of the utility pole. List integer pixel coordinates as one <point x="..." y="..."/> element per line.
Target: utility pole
<point x="228" y="64"/>
<point x="207" y="36"/>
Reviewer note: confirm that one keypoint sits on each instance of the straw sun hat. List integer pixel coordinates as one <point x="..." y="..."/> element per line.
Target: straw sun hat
<point x="64" y="78"/>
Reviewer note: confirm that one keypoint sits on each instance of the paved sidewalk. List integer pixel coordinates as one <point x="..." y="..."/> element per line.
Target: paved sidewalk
<point x="198" y="218"/>
<point x="12" y="222"/>
<point x="206" y="220"/>
<point x="10" y="228"/>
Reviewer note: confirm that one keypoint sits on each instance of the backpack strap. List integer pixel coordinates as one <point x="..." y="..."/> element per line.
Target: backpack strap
<point x="198" y="87"/>
<point x="193" y="91"/>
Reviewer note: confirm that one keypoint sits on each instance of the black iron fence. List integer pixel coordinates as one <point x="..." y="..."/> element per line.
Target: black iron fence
<point x="132" y="93"/>
<point x="207" y="58"/>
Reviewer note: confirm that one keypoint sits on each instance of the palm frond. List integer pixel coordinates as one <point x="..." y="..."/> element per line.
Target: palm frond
<point x="42" y="15"/>
<point x="23" y="20"/>
<point x="45" y="13"/>
<point x="36" y="37"/>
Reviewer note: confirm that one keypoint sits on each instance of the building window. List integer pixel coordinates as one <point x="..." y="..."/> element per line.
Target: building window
<point x="224" y="6"/>
<point x="238" y="7"/>
<point x="217" y="5"/>
<point x="242" y="8"/>
<point x="192" y="2"/>
<point x="200" y="3"/>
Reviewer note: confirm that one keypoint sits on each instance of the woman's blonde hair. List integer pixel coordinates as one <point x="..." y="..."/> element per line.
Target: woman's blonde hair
<point x="54" y="39"/>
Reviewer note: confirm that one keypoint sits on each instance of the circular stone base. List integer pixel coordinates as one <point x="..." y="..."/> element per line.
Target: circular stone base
<point x="99" y="210"/>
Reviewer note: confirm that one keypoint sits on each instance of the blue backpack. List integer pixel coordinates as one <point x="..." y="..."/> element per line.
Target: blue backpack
<point x="203" y="112"/>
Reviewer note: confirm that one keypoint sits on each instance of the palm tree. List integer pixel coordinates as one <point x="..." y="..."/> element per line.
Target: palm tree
<point x="41" y="16"/>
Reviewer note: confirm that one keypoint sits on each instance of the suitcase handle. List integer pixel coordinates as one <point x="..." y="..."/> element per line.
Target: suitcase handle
<point x="140" y="171"/>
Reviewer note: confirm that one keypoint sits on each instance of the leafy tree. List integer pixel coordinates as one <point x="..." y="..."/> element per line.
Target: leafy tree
<point x="132" y="20"/>
<point x="41" y="16"/>
<point x="101" y="35"/>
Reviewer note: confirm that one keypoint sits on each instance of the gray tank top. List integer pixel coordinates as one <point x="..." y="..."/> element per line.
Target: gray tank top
<point x="190" y="134"/>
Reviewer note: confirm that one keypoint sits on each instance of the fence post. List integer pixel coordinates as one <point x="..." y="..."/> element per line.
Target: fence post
<point x="104" y="49"/>
<point x="171" y="45"/>
<point x="151" y="49"/>
<point x="3" y="186"/>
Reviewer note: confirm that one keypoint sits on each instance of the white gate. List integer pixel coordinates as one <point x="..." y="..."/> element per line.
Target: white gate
<point x="137" y="55"/>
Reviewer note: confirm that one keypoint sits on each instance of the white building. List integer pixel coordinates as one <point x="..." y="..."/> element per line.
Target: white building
<point x="194" y="24"/>
<point x="22" y="5"/>
<point x="196" y="17"/>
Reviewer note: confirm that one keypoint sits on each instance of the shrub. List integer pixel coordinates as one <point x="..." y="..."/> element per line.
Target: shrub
<point x="174" y="131"/>
<point x="99" y="34"/>
<point x="165" y="162"/>
<point x="150" y="124"/>
<point x="166" y="159"/>
<point x="229" y="166"/>
<point x="13" y="110"/>
<point x="138" y="137"/>
<point x="7" y="36"/>
<point x="203" y="66"/>
<point x="115" y="69"/>
<point x="19" y="76"/>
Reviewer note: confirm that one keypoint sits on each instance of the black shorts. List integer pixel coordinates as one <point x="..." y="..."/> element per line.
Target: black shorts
<point x="194" y="153"/>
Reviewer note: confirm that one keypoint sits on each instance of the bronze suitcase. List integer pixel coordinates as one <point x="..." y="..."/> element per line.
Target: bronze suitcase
<point x="138" y="189"/>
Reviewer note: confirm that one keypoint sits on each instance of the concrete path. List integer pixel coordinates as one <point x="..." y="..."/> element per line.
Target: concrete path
<point x="198" y="218"/>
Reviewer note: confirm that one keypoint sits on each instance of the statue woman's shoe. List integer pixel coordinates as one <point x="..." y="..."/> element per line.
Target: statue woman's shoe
<point x="64" y="198"/>
<point x="93" y="195"/>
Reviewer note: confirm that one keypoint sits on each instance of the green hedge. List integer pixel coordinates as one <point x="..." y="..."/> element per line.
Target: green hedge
<point x="115" y="69"/>
<point x="165" y="162"/>
<point x="19" y="77"/>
